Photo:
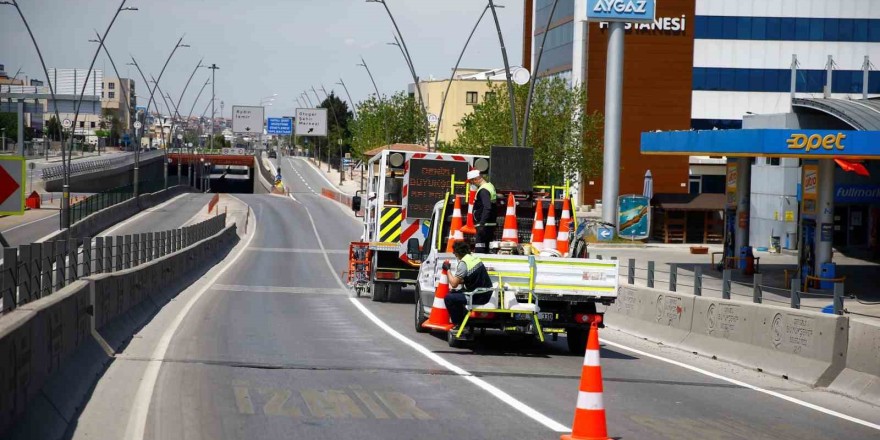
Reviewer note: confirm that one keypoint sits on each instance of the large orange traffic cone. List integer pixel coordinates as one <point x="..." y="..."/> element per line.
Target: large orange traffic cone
<point x="509" y="233"/>
<point x="469" y="228"/>
<point x="589" y="414"/>
<point x="538" y="227"/>
<point x="564" y="228"/>
<point x="455" y="230"/>
<point x="439" y="319"/>
<point x="550" y="231"/>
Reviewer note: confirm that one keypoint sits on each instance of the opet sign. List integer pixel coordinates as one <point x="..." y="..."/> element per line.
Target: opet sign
<point x="830" y="142"/>
<point x="621" y="10"/>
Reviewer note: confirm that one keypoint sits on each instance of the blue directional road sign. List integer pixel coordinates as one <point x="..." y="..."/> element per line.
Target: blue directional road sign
<point x="282" y="126"/>
<point x="606" y="234"/>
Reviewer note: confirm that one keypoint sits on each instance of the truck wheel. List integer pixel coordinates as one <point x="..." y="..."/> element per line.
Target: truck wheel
<point x="380" y="292"/>
<point x="393" y="292"/>
<point x="577" y="340"/>
<point x="420" y="315"/>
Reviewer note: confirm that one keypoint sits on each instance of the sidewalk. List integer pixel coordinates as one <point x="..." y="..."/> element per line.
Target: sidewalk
<point x="235" y="209"/>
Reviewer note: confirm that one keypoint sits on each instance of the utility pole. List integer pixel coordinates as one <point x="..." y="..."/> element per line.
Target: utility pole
<point x="213" y="97"/>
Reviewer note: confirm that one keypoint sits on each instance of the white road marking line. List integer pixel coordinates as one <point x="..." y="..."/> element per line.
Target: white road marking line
<point x="701" y="371"/>
<point x="141" y="214"/>
<point x="491" y="389"/>
<point x="29" y="223"/>
<point x="745" y="385"/>
<point x="137" y="421"/>
<point x="316" y="169"/>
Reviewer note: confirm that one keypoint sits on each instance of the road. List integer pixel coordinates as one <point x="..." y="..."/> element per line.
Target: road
<point x="270" y="345"/>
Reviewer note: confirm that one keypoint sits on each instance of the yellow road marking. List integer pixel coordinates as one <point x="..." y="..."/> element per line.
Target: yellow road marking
<point x="369" y="402"/>
<point x="243" y="400"/>
<point x="403" y="406"/>
<point x="275" y="405"/>
<point x="331" y="403"/>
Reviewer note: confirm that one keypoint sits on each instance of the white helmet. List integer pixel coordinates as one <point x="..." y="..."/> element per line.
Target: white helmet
<point x="551" y="253"/>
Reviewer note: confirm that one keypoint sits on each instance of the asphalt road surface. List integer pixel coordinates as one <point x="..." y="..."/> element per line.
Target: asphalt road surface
<point x="274" y="347"/>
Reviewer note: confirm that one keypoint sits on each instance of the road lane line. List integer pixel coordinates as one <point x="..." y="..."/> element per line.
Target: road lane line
<point x="141" y="214"/>
<point x="29" y="223"/>
<point x="320" y="173"/>
<point x="137" y="421"/>
<point x="672" y="362"/>
<point x="745" y="385"/>
<point x="486" y="386"/>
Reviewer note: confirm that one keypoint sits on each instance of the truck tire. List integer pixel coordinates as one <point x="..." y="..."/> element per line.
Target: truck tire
<point x="393" y="292"/>
<point x="419" y="314"/>
<point x="380" y="292"/>
<point x="577" y="340"/>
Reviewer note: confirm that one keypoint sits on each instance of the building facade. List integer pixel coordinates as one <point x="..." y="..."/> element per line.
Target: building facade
<point x="705" y="64"/>
<point x="119" y="98"/>
<point x="72" y="83"/>
<point x="469" y="88"/>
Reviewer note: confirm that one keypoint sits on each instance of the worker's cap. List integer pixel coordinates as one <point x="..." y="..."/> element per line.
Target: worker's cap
<point x="473" y="174"/>
<point x="372" y="194"/>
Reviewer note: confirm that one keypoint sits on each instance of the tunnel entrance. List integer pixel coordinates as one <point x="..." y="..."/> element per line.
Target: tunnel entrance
<point x="230" y="174"/>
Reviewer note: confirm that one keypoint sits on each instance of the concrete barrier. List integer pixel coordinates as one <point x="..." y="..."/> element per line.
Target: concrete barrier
<point x="861" y="377"/>
<point x="652" y="313"/>
<point x="54" y="349"/>
<point x="807" y="347"/>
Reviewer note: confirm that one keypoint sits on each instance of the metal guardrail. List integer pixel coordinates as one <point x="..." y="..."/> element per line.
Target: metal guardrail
<point x="91" y="166"/>
<point x="108" y="198"/>
<point x="36" y="270"/>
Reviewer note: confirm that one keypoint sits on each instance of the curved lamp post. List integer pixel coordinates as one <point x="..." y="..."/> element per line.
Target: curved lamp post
<point x="507" y="73"/>
<point x="525" y="128"/>
<point x="379" y="99"/>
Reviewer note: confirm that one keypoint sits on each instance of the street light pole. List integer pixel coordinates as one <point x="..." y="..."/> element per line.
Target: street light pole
<point x="525" y="128"/>
<point x="353" y="109"/>
<point x="213" y="98"/>
<point x="452" y="78"/>
<point x="379" y="98"/>
<point x="507" y="72"/>
<point x="339" y="141"/>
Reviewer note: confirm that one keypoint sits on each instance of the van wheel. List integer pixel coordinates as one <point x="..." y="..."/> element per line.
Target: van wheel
<point x="577" y="340"/>
<point x="420" y="317"/>
<point x="380" y="292"/>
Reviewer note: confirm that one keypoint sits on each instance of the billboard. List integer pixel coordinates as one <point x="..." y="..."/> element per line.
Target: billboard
<point x="311" y="122"/>
<point x="282" y="126"/>
<point x="633" y="11"/>
<point x="247" y="119"/>
<point x="634" y="218"/>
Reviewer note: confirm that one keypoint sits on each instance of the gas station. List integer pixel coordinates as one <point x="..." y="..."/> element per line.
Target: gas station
<point x="835" y="146"/>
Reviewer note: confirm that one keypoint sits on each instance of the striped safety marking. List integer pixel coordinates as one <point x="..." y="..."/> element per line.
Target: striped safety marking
<point x="389" y="225"/>
<point x="590" y="401"/>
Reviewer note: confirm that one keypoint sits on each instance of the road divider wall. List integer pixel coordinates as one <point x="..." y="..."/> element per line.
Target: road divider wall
<point x="861" y="377"/>
<point x="808" y="347"/>
<point x="342" y="198"/>
<point x="103" y="219"/>
<point x="53" y="350"/>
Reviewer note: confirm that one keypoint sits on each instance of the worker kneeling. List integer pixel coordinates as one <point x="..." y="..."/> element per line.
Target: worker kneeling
<point x="471" y="274"/>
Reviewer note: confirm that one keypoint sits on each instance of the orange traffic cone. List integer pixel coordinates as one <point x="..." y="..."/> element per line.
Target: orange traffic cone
<point x="469" y="228"/>
<point x="509" y="233"/>
<point x="550" y="232"/>
<point x="538" y="227"/>
<point x="589" y="414"/>
<point x="455" y="230"/>
<point x="439" y="319"/>
<point x="564" y="228"/>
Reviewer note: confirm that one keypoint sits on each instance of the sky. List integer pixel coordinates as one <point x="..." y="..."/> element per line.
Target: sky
<point x="262" y="47"/>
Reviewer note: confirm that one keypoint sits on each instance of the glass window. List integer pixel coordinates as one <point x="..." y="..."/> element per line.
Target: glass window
<point x="729" y="29"/>
<point x="873" y="82"/>
<point x="846" y="29"/>
<point x="699" y="79"/>
<point x="743" y="28"/>
<point x="784" y="81"/>
<point x="774" y="28"/>
<point x="111" y="95"/>
<point x="701" y="27"/>
<point x="712" y="78"/>
<point x="802" y="29"/>
<point x="82" y="124"/>
<point x="756" y="80"/>
<point x="728" y="79"/>
<point x="873" y="30"/>
<point x="92" y="124"/>
<point x="788" y="29"/>
<point x="742" y="80"/>
<point x="715" y="27"/>
<point x="832" y="29"/>
<point x="860" y="30"/>
<point x="471" y="98"/>
<point x="111" y="86"/>
<point x="817" y="30"/>
<point x="759" y="28"/>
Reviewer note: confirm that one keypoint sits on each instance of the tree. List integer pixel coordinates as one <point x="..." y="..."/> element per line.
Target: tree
<point x="9" y="121"/>
<point x="399" y="119"/>
<point x="566" y="139"/>
<point x="53" y="129"/>
<point x="338" y="119"/>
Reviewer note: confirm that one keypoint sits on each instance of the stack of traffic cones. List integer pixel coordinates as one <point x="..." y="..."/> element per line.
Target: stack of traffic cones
<point x="455" y="230"/>
<point x="509" y="233"/>
<point x="550" y="231"/>
<point x="589" y="414"/>
<point x="538" y="227"/>
<point x="439" y="318"/>
<point x="469" y="228"/>
<point x="564" y="228"/>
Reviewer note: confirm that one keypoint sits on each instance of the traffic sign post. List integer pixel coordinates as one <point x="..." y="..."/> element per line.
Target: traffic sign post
<point x="12" y="191"/>
<point x="247" y="120"/>
<point x="279" y="126"/>
<point x="311" y="122"/>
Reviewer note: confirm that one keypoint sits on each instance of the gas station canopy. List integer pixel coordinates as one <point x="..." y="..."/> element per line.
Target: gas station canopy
<point x="809" y="144"/>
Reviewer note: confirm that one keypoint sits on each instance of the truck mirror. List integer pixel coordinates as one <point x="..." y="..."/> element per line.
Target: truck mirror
<point x="356" y="203"/>
<point x="412" y="249"/>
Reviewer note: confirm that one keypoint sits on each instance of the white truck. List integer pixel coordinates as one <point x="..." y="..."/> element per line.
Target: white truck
<point x="402" y="188"/>
<point x="533" y="295"/>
